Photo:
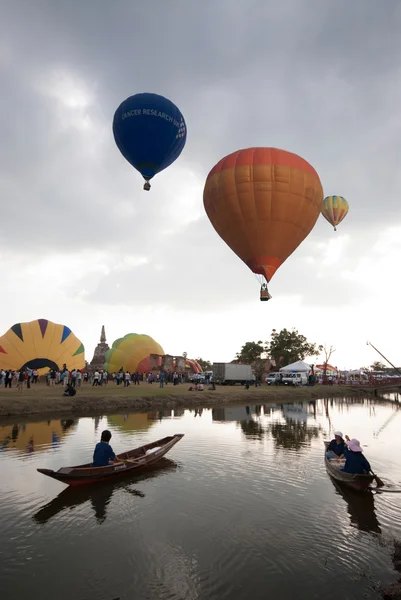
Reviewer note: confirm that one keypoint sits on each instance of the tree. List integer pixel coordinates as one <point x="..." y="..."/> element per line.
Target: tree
<point x="377" y="366"/>
<point x="205" y="364"/>
<point x="288" y="346"/>
<point x="327" y="355"/>
<point x="251" y="354"/>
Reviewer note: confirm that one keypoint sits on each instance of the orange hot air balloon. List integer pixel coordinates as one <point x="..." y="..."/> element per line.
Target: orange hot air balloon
<point x="263" y="202"/>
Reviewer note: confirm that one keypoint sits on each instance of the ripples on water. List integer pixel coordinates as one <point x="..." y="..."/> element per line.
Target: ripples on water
<point x="241" y="508"/>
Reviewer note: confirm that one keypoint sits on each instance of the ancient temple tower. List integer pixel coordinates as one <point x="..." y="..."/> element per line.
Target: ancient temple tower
<point x="99" y="355"/>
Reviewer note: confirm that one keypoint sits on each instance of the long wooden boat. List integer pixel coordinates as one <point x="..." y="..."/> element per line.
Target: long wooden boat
<point x="99" y="496"/>
<point x="133" y="460"/>
<point x="353" y="480"/>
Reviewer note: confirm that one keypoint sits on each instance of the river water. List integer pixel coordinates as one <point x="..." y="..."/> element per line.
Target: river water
<point x="241" y="508"/>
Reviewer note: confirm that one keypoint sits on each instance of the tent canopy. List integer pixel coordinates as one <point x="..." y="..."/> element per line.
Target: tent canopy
<point x="297" y="367"/>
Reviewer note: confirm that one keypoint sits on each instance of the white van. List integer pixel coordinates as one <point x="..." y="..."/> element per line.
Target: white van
<point x="295" y="378"/>
<point x="272" y="378"/>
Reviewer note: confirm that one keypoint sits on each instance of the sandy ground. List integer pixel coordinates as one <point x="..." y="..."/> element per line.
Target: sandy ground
<point x="89" y="401"/>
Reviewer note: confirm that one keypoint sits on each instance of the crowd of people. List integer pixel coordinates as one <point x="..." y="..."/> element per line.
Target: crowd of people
<point x="75" y="378"/>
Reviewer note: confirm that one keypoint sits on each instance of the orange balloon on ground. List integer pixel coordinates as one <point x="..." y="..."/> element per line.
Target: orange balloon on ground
<point x="263" y="202"/>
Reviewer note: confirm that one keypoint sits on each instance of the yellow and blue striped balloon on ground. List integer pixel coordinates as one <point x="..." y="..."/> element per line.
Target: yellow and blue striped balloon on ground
<point x="41" y="345"/>
<point x="335" y="209"/>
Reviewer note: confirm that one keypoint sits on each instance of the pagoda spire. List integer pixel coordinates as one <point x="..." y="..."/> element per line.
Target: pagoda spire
<point x="99" y="355"/>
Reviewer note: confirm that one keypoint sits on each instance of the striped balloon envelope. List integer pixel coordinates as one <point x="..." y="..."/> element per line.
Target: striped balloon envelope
<point x="131" y="353"/>
<point x="335" y="209"/>
<point x="41" y="345"/>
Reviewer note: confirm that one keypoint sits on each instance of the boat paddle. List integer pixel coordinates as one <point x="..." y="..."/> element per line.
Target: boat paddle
<point x="379" y="482"/>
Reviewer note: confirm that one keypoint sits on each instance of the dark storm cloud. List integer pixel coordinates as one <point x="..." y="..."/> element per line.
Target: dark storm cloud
<point x="320" y="78"/>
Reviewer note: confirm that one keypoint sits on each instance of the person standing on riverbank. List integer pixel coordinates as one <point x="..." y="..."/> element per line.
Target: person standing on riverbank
<point x="21" y="379"/>
<point x="8" y="378"/>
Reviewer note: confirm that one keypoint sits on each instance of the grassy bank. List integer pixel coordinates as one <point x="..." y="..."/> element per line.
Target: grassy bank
<point x="89" y="401"/>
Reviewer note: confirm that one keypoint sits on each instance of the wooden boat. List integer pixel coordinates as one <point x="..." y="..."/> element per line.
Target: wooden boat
<point x="99" y="496"/>
<point x="357" y="482"/>
<point x="133" y="460"/>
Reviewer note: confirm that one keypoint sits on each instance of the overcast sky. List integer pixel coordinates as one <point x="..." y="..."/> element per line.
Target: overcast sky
<point x="82" y="244"/>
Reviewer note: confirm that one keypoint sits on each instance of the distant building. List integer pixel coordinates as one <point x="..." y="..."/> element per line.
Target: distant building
<point x="99" y="356"/>
<point x="167" y="363"/>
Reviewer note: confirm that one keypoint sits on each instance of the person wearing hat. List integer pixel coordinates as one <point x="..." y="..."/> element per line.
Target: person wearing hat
<point x="336" y="447"/>
<point x="355" y="462"/>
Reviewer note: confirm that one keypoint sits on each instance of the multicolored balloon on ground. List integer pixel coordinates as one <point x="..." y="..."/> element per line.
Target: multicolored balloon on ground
<point x="335" y="209"/>
<point x="192" y="365"/>
<point x="150" y="133"/>
<point x="263" y="202"/>
<point x="131" y="353"/>
<point x="41" y="345"/>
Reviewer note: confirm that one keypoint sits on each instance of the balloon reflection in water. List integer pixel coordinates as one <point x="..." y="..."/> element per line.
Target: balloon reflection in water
<point x="34" y="437"/>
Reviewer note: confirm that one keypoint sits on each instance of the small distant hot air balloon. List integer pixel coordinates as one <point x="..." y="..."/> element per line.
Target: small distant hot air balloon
<point x="150" y="133"/>
<point x="263" y="202"/>
<point x="335" y="209"/>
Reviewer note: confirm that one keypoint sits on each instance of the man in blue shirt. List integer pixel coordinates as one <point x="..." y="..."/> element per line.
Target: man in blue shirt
<point x="336" y="447"/>
<point x="103" y="454"/>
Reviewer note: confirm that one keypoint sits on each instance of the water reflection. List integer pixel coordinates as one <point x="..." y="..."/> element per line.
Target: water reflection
<point x="31" y="437"/>
<point x="253" y="429"/>
<point x="233" y="413"/>
<point x="132" y="422"/>
<point x="293" y="435"/>
<point x="239" y="512"/>
<point x="360" y="506"/>
<point x="100" y="495"/>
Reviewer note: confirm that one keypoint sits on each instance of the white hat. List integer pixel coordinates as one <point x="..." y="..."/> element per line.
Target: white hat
<point x="338" y="434"/>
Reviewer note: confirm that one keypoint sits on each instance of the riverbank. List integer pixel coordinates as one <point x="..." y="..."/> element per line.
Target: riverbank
<point x="90" y="401"/>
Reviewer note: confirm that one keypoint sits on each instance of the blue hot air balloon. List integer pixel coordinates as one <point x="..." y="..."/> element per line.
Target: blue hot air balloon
<point x="150" y="133"/>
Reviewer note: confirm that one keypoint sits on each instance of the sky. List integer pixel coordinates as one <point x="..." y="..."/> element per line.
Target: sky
<point x="82" y="244"/>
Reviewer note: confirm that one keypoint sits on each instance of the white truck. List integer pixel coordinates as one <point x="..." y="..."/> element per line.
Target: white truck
<point x="231" y="373"/>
